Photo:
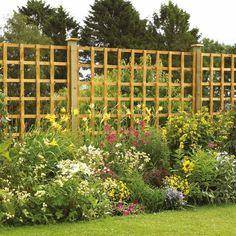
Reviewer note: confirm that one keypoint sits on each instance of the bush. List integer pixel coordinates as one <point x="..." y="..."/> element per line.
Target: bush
<point x="144" y="139"/>
<point x="155" y="177"/>
<point x="211" y="176"/>
<point x="187" y="131"/>
<point x="153" y="199"/>
<point x="157" y="149"/>
<point x="232" y="141"/>
<point x="224" y="185"/>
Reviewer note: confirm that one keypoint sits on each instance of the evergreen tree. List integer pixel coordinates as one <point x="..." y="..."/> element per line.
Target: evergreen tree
<point x="53" y="22"/>
<point x="114" y="23"/>
<point x="171" y="29"/>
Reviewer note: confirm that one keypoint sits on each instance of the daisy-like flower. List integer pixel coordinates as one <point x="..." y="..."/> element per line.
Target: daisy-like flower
<point x="187" y="166"/>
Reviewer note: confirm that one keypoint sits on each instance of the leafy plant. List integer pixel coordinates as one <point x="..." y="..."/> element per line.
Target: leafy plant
<point x="153" y="199"/>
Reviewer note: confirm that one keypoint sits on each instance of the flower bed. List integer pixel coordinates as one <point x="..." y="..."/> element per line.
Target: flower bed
<point x="54" y="175"/>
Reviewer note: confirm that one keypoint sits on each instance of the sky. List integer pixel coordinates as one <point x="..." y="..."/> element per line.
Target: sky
<point x="215" y="19"/>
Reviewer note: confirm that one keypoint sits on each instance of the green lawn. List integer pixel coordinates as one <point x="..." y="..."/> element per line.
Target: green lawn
<point x="215" y="221"/>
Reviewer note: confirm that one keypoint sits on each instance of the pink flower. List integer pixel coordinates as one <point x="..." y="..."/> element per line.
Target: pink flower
<point x="211" y="145"/>
<point x="125" y="213"/>
<point x="111" y="138"/>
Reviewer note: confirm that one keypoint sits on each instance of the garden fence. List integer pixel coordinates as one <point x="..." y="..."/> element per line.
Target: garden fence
<point x="38" y="79"/>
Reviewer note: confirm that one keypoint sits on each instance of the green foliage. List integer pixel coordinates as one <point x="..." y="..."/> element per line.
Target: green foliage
<point x="224" y="186"/>
<point x="17" y="30"/>
<point x="114" y="23"/>
<point x="171" y="28"/>
<point x="210" y="46"/>
<point x="4" y="121"/>
<point x="203" y="174"/>
<point x="155" y="177"/>
<point x="211" y="177"/>
<point x="85" y="90"/>
<point x="232" y="140"/>
<point x="50" y="177"/>
<point x="157" y="149"/>
<point x="189" y="131"/>
<point x="54" y="22"/>
<point x="152" y="199"/>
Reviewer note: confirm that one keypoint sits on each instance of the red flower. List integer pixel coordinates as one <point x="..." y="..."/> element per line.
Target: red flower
<point x="125" y="213"/>
<point x="142" y="124"/>
<point x="111" y="138"/>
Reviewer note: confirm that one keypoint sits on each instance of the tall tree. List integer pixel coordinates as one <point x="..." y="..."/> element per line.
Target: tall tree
<point x="53" y="22"/>
<point x="17" y="30"/>
<point x="114" y="23"/>
<point x="171" y="28"/>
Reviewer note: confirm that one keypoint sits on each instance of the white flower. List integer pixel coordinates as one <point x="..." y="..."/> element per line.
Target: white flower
<point x="40" y="193"/>
<point x="118" y="145"/>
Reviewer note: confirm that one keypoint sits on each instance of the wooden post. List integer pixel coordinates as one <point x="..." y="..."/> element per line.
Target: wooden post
<point x="73" y="89"/>
<point x="197" y="59"/>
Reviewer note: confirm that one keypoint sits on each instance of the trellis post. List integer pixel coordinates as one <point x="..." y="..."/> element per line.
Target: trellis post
<point x="197" y="76"/>
<point x="73" y="77"/>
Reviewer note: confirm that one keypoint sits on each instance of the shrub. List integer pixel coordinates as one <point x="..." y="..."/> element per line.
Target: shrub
<point x="155" y="177"/>
<point x="224" y="185"/>
<point x="187" y="131"/>
<point x="157" y="149"/>
<point x="153" y="199"/>
<point x="232" y="141"/>
<point x="211" y="177"/>
<point x="144" y="139"/>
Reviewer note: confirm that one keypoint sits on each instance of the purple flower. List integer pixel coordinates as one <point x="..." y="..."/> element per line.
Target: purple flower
<point x="211" y="145"/>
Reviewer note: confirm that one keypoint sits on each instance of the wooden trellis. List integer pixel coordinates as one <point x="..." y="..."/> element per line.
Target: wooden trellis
<point x="36" y="79"/>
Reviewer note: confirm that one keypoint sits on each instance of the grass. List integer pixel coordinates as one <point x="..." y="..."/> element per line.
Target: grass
<point x="214" y="220"/>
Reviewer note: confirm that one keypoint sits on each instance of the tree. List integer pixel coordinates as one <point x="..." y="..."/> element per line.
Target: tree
<point x="210" y="46"/>
<point x="17" y="30"/>
<point x="114" y="23"/>
<point x="171" y="29"/>
<point x="55" y="23"/>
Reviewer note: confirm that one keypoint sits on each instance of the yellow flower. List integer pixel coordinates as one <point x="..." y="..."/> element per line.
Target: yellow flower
<point x="52" y="143"/>
<point x="55" y="125"/>
<point x="148" y="111"/>
<point x="76" y="112"/>
<point x="181" y="145"/>
<point x="65" y="118"/>
<point x="128" y="113"/>
<point x="50" y="118"/>
<point x="187" y="166"/>
<point x="160" y="108"/>
<point x="85" y="119"/>
<point x="106" y="117"/>
<point x="63" y="110"/>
